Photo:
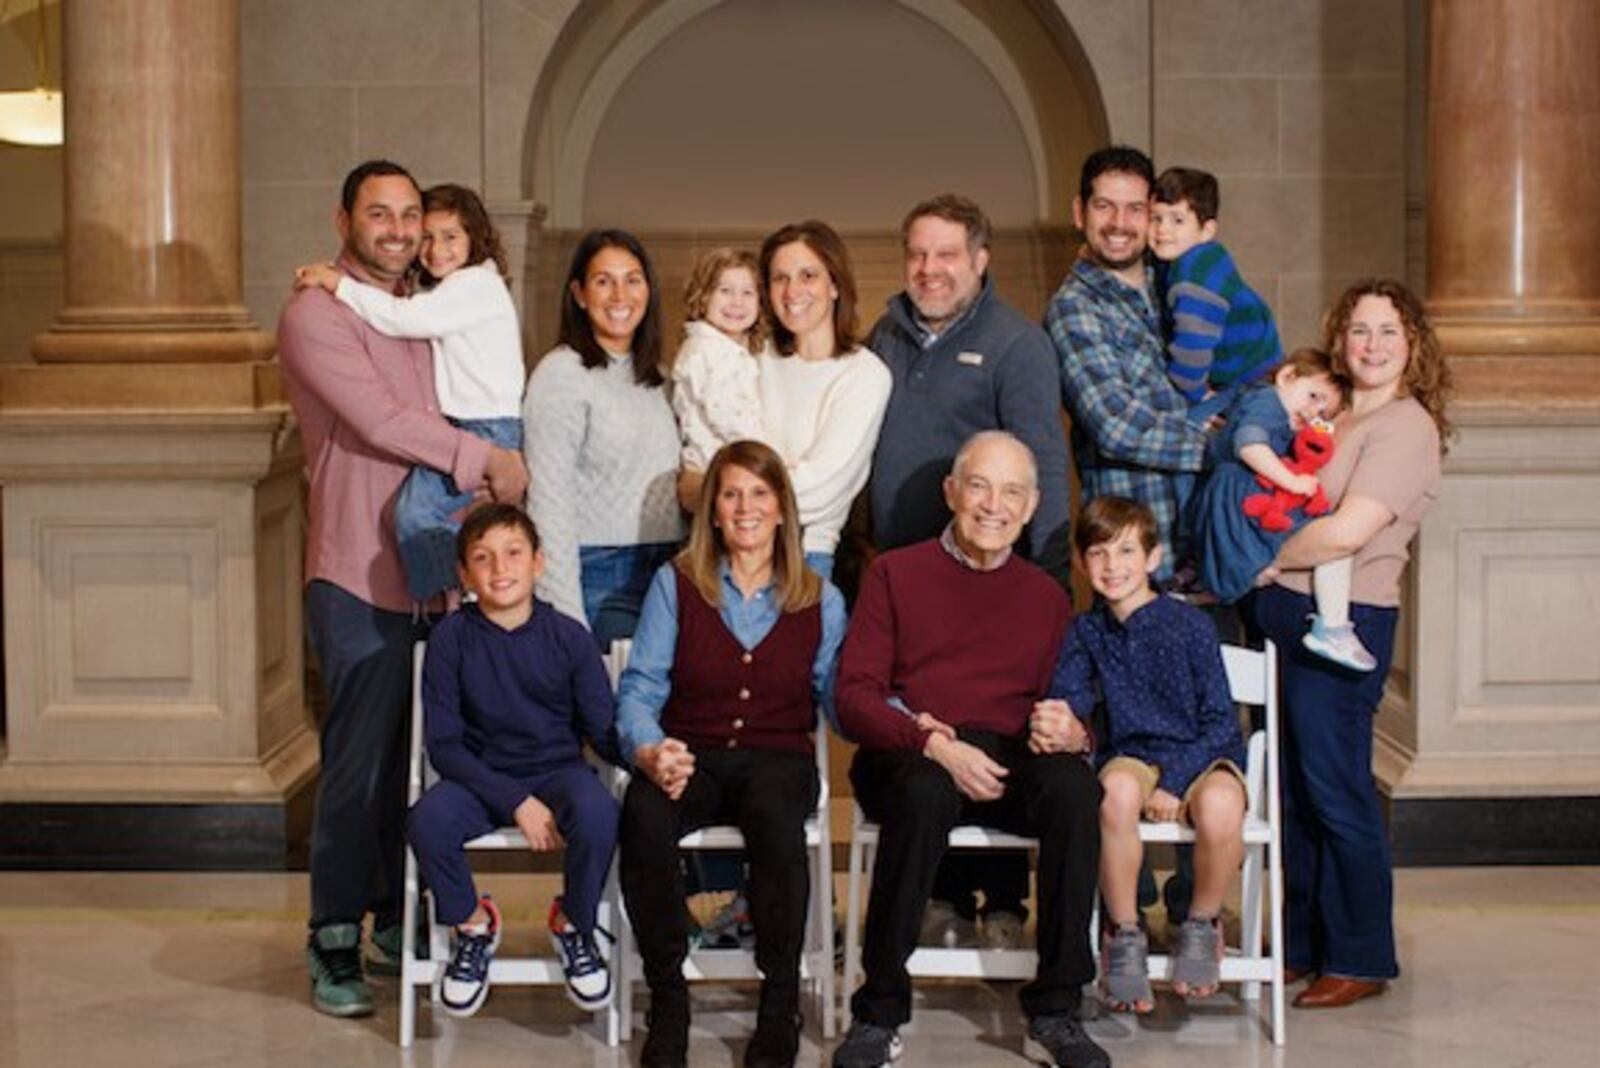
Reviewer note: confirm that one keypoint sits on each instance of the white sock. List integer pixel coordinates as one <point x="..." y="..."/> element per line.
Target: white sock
<point x="1331" y="583"/>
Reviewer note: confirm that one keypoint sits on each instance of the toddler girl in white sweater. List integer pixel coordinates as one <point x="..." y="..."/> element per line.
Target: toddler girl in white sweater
<point x="715" y="377"/>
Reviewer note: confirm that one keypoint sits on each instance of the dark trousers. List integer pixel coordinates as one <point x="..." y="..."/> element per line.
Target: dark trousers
<point x="1339" y="881"/>
<point x="768" y="796"/>
<point x="1001" y="874"/>
<point x="364" y="656"/>
<point x="1055" y="798"/>
<point x="449" y="815"/>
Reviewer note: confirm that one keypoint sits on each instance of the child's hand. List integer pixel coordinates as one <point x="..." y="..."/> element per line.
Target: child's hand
<point x="317" y="274"/>
<point x="1162" y="807"/>
<point x="538" y="825"/>
<point x="1305" y="485"/>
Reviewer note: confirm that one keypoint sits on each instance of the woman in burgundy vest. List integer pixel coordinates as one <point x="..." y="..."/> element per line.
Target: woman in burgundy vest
<point x="735" y="650"/>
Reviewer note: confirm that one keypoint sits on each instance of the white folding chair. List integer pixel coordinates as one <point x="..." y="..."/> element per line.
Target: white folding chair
<point x="1253" y="681"/>
<point x="816" y="961"/>
<point x="424" y="965"/>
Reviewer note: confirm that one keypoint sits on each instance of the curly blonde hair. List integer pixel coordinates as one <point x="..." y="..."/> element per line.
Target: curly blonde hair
<point x="703" y="282"/>
<point x="1427" y="376"/>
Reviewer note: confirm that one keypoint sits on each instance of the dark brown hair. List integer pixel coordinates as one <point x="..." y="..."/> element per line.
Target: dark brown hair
<point x="577" y="332"/>
<point x="487" y="517"/>
<point x="797" y="586"/>
<point x="821" y="239"/>
<point x="483" y="240"/>
<point x="1427" y="376"/>
<point x="373" y="168"/>
<point x="1104" y="518"/>
<point x="1185" y="185"/>
<point x="1113" y="158"/>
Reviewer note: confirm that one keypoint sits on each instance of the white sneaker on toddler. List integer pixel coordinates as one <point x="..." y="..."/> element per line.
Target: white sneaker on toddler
<point x="1338" y="644"/>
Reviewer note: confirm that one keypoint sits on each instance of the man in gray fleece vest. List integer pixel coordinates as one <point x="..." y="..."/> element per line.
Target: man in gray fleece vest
<point x="964" y="361"/>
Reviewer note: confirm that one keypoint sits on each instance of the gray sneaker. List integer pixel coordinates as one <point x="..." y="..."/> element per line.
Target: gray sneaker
<point x="867" y="1045"/>
<point x="1062" y="1041"/>
<point x="945" y="928"/>
<point x="1002" y="930"/>
<point x="338" y="987"/>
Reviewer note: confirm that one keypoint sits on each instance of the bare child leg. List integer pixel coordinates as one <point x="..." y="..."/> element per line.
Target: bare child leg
<point x="1332" y="635"/>
<point x="1216" y="812"/>
<point x="1125" y="956"/>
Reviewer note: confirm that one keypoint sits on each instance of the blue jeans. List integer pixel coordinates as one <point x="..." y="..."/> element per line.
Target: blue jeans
<point x="425" y="508"/>
<point x="615" y="579"/>
<point x="1339" y="879"/>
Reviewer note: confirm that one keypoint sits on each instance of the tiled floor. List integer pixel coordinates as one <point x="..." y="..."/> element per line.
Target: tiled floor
<point x="148" y="970"/>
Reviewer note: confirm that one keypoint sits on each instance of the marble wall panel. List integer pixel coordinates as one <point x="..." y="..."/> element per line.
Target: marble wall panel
<point x="1342" y="125"/>
<point x="1223" y="125"/>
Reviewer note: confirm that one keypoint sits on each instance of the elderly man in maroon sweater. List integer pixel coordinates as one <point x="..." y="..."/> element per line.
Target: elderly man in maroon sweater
<point x="952" y="643"/>
<point x="367" y="413"/>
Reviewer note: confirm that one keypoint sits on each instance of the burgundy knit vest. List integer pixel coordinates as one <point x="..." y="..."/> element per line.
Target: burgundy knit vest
<point x="724" y="697"/>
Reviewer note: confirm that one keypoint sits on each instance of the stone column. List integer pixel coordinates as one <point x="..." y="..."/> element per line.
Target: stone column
<point x="152" y="183"/>
<point x="1513" y="136"/>
<point x="1489" y="744"/>
<point x="155" y="712"/>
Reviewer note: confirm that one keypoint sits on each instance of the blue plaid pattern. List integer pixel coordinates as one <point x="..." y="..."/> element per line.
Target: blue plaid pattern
<point x="1130" y="431"/>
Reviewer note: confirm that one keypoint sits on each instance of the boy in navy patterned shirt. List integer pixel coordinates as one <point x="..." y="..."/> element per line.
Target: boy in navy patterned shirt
<point x="1171" y="747"/>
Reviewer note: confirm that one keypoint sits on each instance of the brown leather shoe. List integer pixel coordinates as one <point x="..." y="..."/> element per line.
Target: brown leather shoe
<point x="1334" y="992"/>
<point x="1294" y="975"/>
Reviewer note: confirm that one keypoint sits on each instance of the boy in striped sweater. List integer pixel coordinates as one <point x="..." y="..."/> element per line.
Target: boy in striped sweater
<point x="1220" y="333"/>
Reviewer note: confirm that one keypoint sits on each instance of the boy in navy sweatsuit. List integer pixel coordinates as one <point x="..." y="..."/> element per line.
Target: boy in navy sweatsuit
<point x="510" y="690"/>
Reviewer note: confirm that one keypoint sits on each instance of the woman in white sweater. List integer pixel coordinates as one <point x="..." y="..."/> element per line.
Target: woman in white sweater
<point x="601" y="442"/>
<point x="822" y="394"/>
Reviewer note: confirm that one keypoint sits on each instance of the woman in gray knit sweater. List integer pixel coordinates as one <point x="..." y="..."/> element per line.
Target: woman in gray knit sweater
<point x="601" y="442"/>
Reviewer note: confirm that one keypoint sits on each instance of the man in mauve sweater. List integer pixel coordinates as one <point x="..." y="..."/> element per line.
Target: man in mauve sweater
<point x="367" y="411"/>
<point x="952" y="644"/>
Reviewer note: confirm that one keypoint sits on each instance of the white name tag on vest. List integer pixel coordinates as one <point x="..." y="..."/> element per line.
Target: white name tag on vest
<point x="971" y="359"/>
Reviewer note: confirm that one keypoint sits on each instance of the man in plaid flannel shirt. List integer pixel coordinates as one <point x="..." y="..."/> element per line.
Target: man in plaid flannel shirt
<point x="1130" y="433"/>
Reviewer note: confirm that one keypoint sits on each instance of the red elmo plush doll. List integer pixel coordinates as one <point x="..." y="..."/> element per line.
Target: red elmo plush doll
<point x="1311" y="451"/>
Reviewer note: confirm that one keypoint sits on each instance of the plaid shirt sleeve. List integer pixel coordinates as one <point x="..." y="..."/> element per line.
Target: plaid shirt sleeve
<point x="1110" y="407"/>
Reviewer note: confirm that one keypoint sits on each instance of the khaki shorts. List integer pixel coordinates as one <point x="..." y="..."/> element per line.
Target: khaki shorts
<point x="1149" y="777"/>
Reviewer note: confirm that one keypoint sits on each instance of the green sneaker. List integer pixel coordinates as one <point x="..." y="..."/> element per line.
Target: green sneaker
<point x="386" y="950"/>
<point x="338" y="988"/>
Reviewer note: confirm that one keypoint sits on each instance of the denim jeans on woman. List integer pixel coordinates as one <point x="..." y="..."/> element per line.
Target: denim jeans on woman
<point x="425" y="509"/>
<point x="615" y="579"/>
<point x="1338" y="875"/>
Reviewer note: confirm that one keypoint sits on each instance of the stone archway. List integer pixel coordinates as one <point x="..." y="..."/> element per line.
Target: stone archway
<point x="1024" y="58"/>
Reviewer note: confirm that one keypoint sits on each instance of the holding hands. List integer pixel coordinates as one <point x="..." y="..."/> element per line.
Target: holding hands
<point x="1052" y="728"/>
<point x="669" y="764"/>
